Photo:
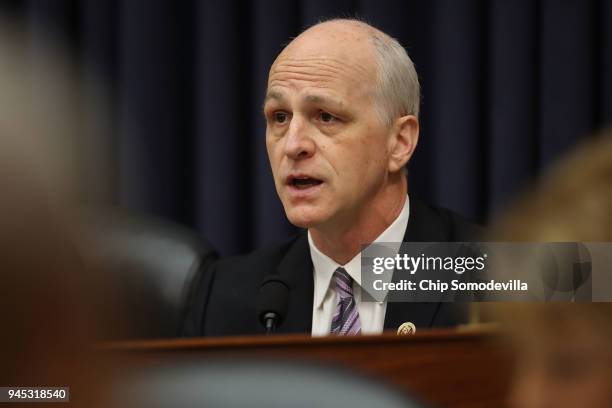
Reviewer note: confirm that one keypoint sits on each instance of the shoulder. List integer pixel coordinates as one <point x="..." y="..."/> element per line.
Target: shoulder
<point x="228" y="287"/>
<point x="436" y="224"/>
<point x="245" y="271"/>
<point x="265" y="259"/>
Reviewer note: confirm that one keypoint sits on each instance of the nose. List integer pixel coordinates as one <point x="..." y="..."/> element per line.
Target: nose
<point x="298" y="143"/>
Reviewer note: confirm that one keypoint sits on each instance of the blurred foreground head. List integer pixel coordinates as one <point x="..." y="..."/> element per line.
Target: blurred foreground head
<point x="564" y="350"/>
<point x="48" y="310"/>
<point x="564" y="354"/>
<point x="572" y="202"/>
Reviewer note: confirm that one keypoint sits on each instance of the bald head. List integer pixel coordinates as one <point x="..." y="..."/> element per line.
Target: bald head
<point x="370" y="56"/>
<point x="349" y="38"/>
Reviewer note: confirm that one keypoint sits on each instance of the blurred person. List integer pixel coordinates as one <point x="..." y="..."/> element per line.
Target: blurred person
<point x="49" y="319"/>
<point x="564" y="350"/>
<point x="341" y="109"/>
<point x="571" y="202"/>
<point x="51" y="305"/>
<point x="563" y="354"/>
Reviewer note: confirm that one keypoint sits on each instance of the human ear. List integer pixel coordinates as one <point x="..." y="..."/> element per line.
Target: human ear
<point x="403" y="141"/>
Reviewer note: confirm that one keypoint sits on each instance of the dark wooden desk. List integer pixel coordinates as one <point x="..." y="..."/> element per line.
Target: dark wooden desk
<point x="443" y="367"/>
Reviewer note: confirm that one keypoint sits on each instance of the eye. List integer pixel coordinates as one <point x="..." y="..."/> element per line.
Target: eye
<point x="327" y="117"/>
<point x="280" y="117"/>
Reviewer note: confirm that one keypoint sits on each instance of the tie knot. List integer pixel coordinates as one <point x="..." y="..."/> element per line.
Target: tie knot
<point x="343" y="282"/>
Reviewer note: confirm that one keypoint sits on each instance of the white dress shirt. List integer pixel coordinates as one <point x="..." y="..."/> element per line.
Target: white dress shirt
<point x="371" y="314"/>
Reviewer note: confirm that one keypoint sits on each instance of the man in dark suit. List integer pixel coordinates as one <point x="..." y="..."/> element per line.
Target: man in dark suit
<point x="342" y="123"/>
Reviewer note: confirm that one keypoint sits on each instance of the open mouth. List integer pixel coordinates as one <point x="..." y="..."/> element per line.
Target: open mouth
<point x="304" y="182"/>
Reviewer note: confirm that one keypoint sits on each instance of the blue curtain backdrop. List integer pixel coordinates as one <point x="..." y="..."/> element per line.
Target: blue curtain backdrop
<point x="508" y="86"/>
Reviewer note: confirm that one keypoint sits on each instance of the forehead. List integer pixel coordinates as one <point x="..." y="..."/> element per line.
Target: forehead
<point x="339" y="62"/>
<point x="319" y="76"/>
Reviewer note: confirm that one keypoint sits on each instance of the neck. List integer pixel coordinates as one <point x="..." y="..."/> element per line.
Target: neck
<point x="343" y="240"/>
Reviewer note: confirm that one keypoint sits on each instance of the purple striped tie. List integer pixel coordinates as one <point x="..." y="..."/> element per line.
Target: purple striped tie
<point x="346" y="318"/>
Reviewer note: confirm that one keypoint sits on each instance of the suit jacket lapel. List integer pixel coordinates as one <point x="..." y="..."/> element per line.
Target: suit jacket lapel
<point x="296" y="267"/>
<point x="423" y="226"/>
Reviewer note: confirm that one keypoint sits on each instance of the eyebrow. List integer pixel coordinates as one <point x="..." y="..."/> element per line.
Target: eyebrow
<point x="273" y="95"/>
<point x="310" y="98"/>
<point x="313" y="98"/>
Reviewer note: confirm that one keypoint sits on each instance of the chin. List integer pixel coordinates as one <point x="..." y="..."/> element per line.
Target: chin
<point x="303" y="218"/>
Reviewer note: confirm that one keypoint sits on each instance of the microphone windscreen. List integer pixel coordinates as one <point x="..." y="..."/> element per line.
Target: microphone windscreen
<point x="273" y="297"/>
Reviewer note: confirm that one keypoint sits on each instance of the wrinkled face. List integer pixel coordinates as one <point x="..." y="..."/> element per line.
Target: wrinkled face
<point x="326" y="145"/>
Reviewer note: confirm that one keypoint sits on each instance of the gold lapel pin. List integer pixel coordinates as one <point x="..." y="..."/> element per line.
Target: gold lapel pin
<point x="406" y="329"/>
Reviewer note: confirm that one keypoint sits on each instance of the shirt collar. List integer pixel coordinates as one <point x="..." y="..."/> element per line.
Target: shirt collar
<point x="324" y="266"/>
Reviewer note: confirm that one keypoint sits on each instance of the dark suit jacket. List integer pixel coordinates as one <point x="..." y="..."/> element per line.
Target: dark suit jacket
<point x="224" y="297"/>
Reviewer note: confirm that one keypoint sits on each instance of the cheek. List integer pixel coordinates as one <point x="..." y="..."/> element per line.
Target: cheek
<point x="369" y="160"/>
<point x="273" y="148"/>
<point x="270" y="143"/>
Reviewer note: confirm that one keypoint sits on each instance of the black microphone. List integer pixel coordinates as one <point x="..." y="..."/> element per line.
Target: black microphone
<point x="272" y="302"/>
